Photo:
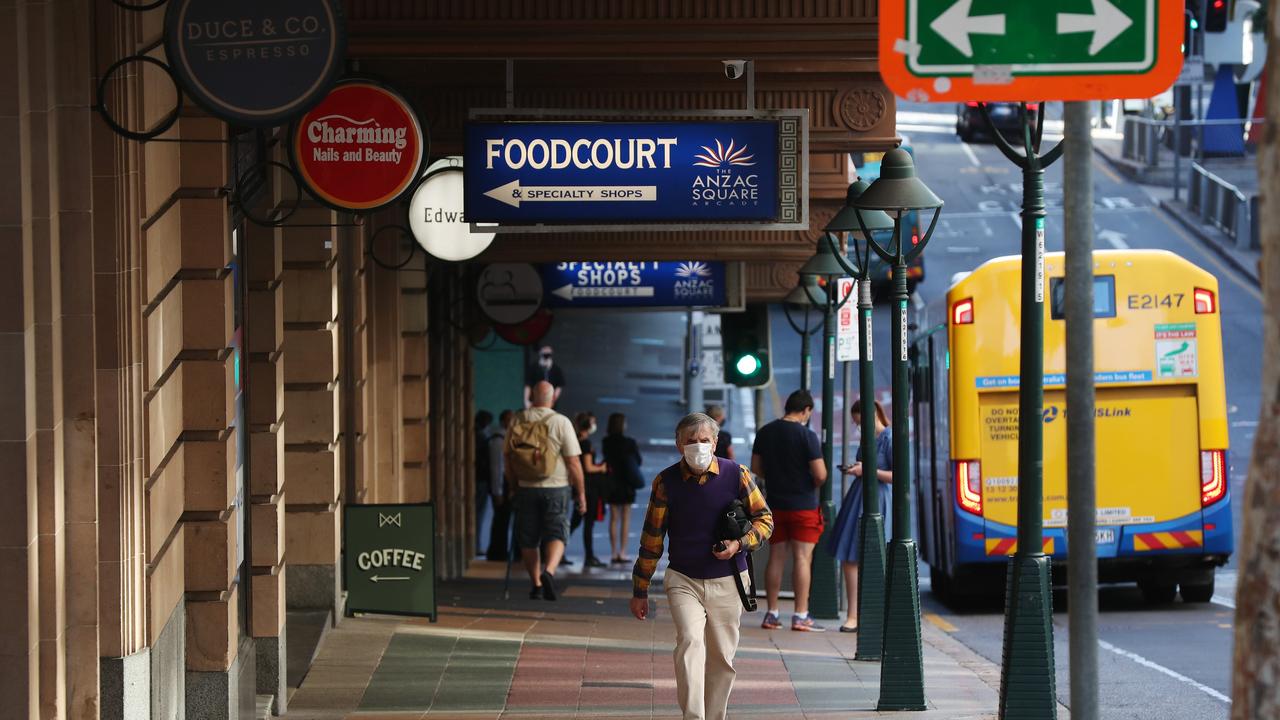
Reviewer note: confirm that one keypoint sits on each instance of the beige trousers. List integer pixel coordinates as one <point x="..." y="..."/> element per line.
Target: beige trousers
<point x="707" y="614"/>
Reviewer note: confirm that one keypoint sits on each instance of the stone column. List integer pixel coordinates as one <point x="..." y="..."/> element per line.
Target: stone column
<point x="311" y="398"/>
<point x="413" y="389"/>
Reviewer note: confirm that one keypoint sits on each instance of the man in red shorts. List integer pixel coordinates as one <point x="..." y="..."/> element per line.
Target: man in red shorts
<point x="788" y="456"/>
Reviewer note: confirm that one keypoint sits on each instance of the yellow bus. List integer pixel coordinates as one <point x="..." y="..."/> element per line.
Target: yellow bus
<point x="1164" y="508"/>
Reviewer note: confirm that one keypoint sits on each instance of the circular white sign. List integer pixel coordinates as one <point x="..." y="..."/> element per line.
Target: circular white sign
<point x="509" y="293"/>
<point x="436" y="218"/>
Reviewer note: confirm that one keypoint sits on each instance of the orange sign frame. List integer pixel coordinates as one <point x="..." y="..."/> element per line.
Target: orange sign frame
<point x="894" y="49"/>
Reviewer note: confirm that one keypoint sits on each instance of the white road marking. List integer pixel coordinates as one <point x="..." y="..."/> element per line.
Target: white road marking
<point x="1225" y="581"/>
<point x="1113" y="238"/>
<point x="963" y="248"/>
<point x="1164" y="670"/>
<point x="973" y="157"/>
<point x="1245" y="423"/>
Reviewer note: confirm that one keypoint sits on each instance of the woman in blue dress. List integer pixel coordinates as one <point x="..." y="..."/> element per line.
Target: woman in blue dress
<point x="844" y="540"/>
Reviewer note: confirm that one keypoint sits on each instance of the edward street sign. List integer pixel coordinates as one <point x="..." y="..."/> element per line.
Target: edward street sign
<point x="390" y="561"/>
<point x="734" y="171"/>
<point x="1005" y="50"/>
<point x="692" y="283"/>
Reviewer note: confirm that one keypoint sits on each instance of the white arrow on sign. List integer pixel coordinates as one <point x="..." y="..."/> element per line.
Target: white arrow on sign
<point x="956" y="25"/>
<point x="1106" y="23"/>
<point x="513" y="193"/>
<point x="379" y="578"/>
<point x="569" y="292"/>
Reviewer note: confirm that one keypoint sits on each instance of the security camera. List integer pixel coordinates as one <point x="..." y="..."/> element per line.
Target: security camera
<point x="734" y="69"/>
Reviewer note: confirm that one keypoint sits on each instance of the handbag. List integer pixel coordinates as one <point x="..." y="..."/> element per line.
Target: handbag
<point x="734" y="523"/>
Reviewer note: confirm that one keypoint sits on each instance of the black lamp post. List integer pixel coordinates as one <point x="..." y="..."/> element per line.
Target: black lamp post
<point x="898" y="191"/>
<point x="824" y="269"/>
<point x="802" y="297"/>
<point x="871" y="541"/>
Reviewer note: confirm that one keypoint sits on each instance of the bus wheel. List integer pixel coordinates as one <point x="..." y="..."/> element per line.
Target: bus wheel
<point x="1199" y="593"/>
<point x="1157" y="593"/>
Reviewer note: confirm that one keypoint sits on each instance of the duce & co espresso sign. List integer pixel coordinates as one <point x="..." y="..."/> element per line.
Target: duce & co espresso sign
<point x="252" y="62"/>
<point x="360" y="148"/>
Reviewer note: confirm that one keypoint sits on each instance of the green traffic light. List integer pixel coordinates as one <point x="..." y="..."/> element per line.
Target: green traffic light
<point x="1194" y="24"/>
<point x="748" y="365"/>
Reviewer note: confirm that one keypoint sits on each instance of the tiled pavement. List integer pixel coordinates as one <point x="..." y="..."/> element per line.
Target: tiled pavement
<point x="585" y="657"/>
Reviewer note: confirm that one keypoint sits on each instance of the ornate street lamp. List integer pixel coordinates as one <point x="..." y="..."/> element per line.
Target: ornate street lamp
<point x="871" y="541"/>
<point x="802" y="297"/>
<point x="823" y="270"/>
<point x="898" y="191"/>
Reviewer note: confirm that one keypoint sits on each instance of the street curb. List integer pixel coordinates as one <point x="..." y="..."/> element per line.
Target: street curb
<point x="1207" y="239"/>
<point x="984" y="669"/>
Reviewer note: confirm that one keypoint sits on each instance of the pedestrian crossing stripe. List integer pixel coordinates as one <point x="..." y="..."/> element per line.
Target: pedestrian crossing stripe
<point x="1174" y="540"/>
<point x="1008" y="546"/>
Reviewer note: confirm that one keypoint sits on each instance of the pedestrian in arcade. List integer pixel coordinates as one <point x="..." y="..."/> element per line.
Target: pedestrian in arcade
<point x="686" y="503"/>
<point x="542" y="463"/>
<point x="597" y="480"/>
<point x="499" y="528"/>
<point x="844" y="541"/>
<point x="542" y="369"/>
<point x="724" y="445"/>
<point x="484" y="419"/>
<point x="788" y="456"/>
<point x="622" y="456"/>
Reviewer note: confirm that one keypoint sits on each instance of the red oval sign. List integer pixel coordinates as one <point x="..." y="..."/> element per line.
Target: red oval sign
<point x="360" y="148"/>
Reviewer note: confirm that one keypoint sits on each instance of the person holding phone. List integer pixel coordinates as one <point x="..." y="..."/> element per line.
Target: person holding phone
<point x="843" y="544"/>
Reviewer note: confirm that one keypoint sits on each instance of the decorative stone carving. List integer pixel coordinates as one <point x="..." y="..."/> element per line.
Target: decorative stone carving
<point x="863" y="108"/>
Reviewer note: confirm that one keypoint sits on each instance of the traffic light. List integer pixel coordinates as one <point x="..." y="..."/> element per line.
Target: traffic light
<point x="1216" y="15"/>
<point x="745" y="338"/>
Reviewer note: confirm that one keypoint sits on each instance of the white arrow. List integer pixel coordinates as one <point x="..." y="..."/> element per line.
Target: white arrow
<point x="569" y="292"/>
<point x="955" y="26"/>
<point x="1106" y="23"/>
<point x="378" y="578"/>
<point x="513" y="194"/>
<point x="1113" y="238"/>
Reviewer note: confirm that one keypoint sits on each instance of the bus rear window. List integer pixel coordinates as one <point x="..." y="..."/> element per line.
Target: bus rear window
<point x="1104" y="296"/>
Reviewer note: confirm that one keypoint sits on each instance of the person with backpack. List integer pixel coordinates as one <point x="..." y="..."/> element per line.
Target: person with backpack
<point x="622" y="457"/>
<point x="542" y="463"/>
<point x="704" y="573"/>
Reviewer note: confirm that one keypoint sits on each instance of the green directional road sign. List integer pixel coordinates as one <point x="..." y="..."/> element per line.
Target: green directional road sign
<point x="389" y="559"/>
<point x="1026" y="50"/>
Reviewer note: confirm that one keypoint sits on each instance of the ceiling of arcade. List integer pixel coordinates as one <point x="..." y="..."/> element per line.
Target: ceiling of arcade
<point x="450" y="56"/>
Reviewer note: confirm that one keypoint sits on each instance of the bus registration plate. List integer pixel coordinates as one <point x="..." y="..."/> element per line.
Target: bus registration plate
<point x="1105" y="535"/>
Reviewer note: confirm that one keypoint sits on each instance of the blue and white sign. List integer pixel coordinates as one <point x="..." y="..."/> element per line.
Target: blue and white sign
<point x="622" y="172"/>
<point x="692" y="283"/>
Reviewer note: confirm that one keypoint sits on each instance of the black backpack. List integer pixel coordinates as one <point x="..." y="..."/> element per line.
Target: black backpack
<point x="734" y="523"/>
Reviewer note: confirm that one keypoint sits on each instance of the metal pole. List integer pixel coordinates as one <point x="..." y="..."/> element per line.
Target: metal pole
<point x="806" y="358"/>
<point x="693" y="368"/>
<point x="1177" y="143"/>
<point x="846" y="390"/>
<point x="871" y="548"/>
<point x="1082" y="561"/>
<point x="1027" y="680"/>
<point x="824" y="593"/>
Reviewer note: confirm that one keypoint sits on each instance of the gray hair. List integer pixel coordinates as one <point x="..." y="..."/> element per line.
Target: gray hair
<point x="693" y="422"/>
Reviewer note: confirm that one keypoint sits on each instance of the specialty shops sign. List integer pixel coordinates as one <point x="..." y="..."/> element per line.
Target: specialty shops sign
<point x="361" y="148"/>
<point x="669" y="175"/>
<point x="390" y="561"/>
<point x="692" y="283"/>
<point x="256" y="63"/>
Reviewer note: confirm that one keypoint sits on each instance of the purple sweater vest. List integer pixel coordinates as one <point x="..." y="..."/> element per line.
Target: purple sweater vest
<point x="693" y="512"/>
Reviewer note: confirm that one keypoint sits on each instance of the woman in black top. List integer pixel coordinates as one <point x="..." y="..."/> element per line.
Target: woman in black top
<point x="597" y="482"/>
<point x="622" y="457"/>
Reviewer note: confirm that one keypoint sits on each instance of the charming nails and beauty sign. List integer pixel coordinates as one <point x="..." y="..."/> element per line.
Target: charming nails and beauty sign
<point x="361" y="148"/>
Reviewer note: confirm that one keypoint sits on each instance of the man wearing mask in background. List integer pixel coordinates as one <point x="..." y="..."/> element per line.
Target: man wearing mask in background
<point x="687" y="501"/>
<point x="543" y="369"/>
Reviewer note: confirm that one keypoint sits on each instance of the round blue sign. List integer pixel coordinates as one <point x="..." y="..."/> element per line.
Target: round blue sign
<point x="256" y="63"/>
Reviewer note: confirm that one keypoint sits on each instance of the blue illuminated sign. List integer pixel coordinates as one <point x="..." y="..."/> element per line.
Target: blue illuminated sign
<point x="1111" y="377"/>
<point x="581" y="172"/>
<point x="691" y="283"/>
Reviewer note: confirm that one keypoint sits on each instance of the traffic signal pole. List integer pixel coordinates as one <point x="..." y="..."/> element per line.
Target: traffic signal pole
<point x="1027" y="682"/>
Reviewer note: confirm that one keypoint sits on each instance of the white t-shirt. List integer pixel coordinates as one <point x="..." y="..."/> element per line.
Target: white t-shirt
<point x="564" y="441"/>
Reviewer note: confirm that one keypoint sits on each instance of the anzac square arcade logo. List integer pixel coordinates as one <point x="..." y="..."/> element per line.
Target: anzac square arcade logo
<point x="727" y="183"/>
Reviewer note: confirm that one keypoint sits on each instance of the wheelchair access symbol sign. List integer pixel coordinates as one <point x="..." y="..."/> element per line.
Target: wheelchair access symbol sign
<point x="1011" y="50"/>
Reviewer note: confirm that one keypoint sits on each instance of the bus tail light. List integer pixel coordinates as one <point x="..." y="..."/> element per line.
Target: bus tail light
<point x="1213" y="476"/>
<point x="962" y="312"/>
<point x="1206" y="302"/>
<point x="969" y="485"/>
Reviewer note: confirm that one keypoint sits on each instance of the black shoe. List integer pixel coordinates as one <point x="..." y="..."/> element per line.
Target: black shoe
<point x="566" y="562"/>
<point x="548" y="586"/>
<point x="535" y="592"/>
<point x="595" y="562"/>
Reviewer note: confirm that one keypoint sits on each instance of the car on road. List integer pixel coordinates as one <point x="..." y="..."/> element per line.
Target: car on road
<point x="1004" y="117"/>
<point x="868" y="168"/>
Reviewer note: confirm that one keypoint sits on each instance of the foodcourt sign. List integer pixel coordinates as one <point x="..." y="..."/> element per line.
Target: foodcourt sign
<point x="605" y="174"/>
<point x="361" y="148"/>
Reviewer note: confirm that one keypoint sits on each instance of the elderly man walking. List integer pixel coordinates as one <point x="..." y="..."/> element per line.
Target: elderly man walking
<point x="541" y="460"/>
<point x="687" y="501"/>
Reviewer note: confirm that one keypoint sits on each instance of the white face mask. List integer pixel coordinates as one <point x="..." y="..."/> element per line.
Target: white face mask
<point x="698" y="455"/>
